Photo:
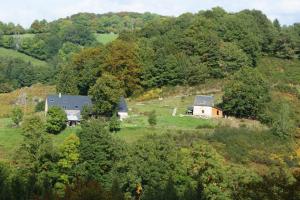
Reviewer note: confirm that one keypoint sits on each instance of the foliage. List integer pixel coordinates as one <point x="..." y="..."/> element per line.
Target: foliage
<point x="17" y="115"/>
<point x="152" y="118"/>
<point x="56" y="120"/>
<point x="40" y="106"/>
<point x="68" y="159"/>
<point x="98" y="152"/>
<point x="106" y="94"/>
<point x="246" y="94"/>
<point x="283" y="126"/>
<point x="122" y="62"/>
<point x="114" y="124"/>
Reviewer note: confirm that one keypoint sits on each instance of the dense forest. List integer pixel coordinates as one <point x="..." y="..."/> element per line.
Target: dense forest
<point x="151" y="52"/>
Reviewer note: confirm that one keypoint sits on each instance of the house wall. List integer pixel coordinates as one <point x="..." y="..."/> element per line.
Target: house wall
<point x="203" y="111"/>
<point x="123" y="115"/>
<point x="46" y="106"/>
<point x="217" y="113"/>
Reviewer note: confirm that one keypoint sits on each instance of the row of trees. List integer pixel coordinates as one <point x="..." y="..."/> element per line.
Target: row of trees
<point x="156" y="167"/>
<point x="16" y="73"/>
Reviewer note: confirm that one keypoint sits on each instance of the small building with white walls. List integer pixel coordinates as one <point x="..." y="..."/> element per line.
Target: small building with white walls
<point x="204" y="107"/>
<point x="122" y="109"/>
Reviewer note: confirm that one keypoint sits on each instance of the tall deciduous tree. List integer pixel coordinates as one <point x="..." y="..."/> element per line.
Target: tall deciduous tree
<point x="122" y="61"/>
<point x="98" y="152"/>
<point x="246" y="94"/>
<point x="106" y="94"/>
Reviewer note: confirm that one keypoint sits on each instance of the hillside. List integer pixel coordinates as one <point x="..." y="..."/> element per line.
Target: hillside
<point x="25" y="97"/>
<point x="9" y="53"/>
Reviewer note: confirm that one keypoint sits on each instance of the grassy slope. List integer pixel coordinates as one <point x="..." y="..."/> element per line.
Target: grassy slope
<point x="15" y="54"/>
<point x="106" y="37"/>
<point x="33" y="93"/>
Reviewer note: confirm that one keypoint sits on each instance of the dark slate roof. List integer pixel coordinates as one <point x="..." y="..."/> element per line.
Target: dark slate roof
<point x="202" y="100"/>
<point x="122" y="106"/>
<point x="68" y="102"/>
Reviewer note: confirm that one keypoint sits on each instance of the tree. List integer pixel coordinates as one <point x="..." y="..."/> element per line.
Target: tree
<point x="122" y="62"/>
<point x="283" y="126"/>
<point x="56" y="120"/>
<point x="68" y="159"/>
<point x="37" y="155"/>
<point x="116" y="191"/>
<point x="106" y="94"/>
<point x="152" y="118"/>
<point x="246" y="94"/>
<point x="86" y="68"/>
<point x="67" y="81"/>
<point x="98" y="152"/>
<point x="114" y="124"/>
<point x="17" y="115"/>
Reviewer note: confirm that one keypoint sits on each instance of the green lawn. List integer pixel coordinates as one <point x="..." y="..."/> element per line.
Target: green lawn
<point x="106" y="38"/>
<point x="10" y="138"/>
<point x="15" y="54"/>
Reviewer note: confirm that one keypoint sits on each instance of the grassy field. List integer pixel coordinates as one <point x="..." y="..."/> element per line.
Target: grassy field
<point x="15" y="54"/>
<point x="106" y="38"/>
<point x="11" y="138"/>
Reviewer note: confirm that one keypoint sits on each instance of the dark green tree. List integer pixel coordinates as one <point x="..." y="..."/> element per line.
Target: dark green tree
<point x="114" y="124"/>
<point x="246" y="94"/>
<point x="106" y="94"/>
<point x="98" y="152"/>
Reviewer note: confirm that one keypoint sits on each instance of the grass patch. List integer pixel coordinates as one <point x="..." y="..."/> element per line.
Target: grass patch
<point x="105" y="38"/>
<point x="32" y="94"/>
<point x="15" y="54"/>
<point x="10" y="138"/>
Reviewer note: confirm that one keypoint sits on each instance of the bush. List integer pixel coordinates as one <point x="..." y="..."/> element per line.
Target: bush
<point x="56" y="120"/>
<point x="40" y="106"/>
<point x="152" y="118"/>
<point x="114" y="124"/>
<point x="17" y="115"/>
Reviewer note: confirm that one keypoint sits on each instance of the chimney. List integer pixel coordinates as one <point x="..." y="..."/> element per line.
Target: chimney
<point x="59" y="95"/>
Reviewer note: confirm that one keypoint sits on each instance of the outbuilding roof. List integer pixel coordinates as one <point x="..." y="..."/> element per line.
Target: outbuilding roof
<point x="68" y="102"/>
<point x="203" y="100"/>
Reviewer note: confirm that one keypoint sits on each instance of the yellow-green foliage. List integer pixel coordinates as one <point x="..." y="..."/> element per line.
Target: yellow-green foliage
<point x="151" y="94"/>
<point x="24" y="97"/>
<point x="106" y="38"/>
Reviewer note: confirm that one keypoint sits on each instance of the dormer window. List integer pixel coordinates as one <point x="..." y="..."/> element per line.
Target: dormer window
<point x="76" y="107"/>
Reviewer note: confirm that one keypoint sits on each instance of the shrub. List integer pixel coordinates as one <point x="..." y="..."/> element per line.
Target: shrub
<point x="56" y="120"/>
<point x="17" y="115"/>
<point x="114" y="124"/>
<point x="40" y="106"/>
<point x="152" y="118"/>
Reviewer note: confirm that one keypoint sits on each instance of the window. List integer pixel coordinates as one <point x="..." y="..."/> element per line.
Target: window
<point x="217" y="112"/>
<point x="76" y="106"/>
<point x="51" y="100"/>
<point x="202" y="111"/>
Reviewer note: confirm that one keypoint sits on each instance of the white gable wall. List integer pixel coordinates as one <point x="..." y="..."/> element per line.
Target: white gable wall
<point x="203" y="111"/>
<point x="123" y="115"/>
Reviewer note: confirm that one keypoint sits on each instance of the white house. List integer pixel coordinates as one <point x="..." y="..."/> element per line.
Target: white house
<point x="204" y="107"/>
<point x="122" y="109"/>
<point x="72" y="105"/>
